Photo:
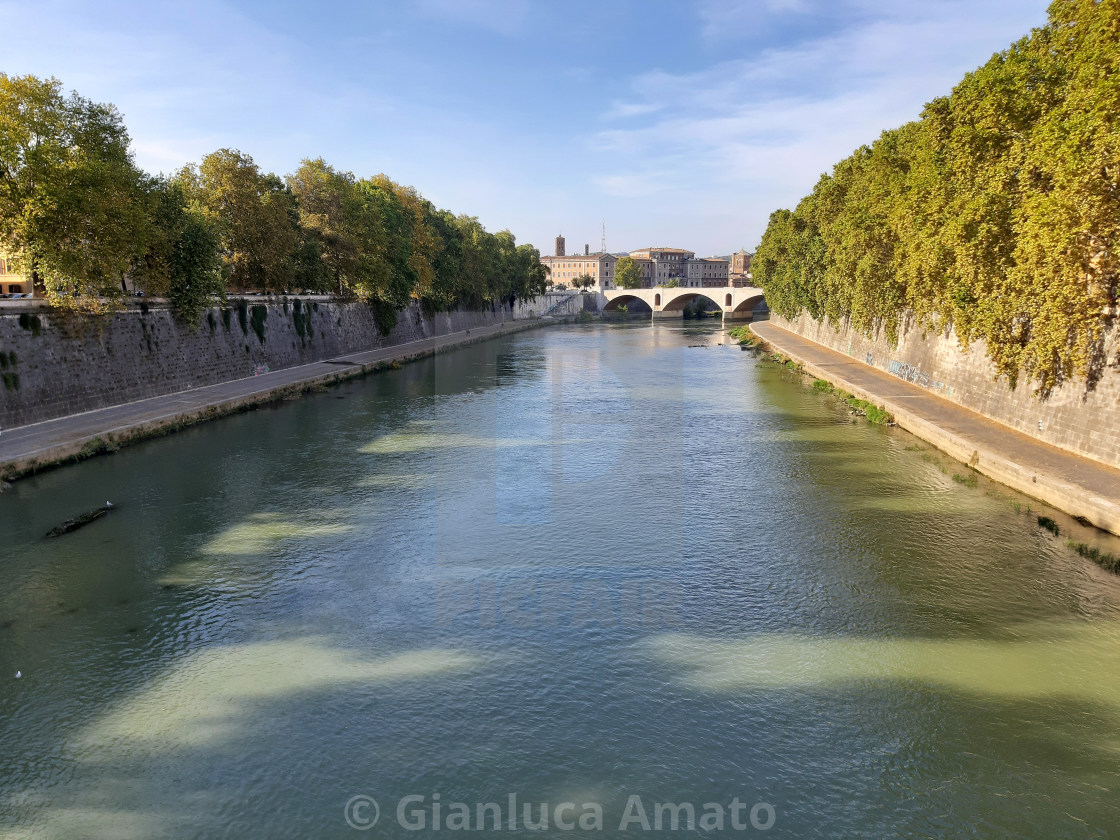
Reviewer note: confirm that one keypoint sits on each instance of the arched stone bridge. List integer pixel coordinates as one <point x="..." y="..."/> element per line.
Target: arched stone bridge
<point x="737" y="303"/>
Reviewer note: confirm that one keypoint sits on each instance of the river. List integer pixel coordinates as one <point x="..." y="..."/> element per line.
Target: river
<point x="574" y="565"/>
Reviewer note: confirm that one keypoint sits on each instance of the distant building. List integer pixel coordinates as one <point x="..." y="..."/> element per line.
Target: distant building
<point x="656" y="267"/>
<point x="565" y="269"/>
<point x="661" y="266"/>
<point x="11" y="282"/>
<point x="741" y="263"/>
<point x="707" y="272"/>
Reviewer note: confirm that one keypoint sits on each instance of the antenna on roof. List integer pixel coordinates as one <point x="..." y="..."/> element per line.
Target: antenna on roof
<point x="603" y="243"/>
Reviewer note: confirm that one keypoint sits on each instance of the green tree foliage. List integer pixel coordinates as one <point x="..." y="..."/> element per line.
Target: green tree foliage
<point x="386" y="244"/>
<point x="254" y="215"/>
<point x="531" y="275"/>
<point x="81" y="218"/>
<point x="182" y="261"/>
<point x="627" y="275"/>
<point x="71" y="203"/>
<point x="332" y="237"/>
<point x="584" y="281"/>
<point x="996" y="214"/>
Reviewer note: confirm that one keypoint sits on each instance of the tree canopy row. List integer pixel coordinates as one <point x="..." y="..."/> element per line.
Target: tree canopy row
<point x="79" y="217"/>
<point x="997" y="213"/>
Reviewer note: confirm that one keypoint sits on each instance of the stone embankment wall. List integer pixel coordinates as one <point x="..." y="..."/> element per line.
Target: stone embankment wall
<point x="54" y="364"/>
<point x="1076" y="417"/>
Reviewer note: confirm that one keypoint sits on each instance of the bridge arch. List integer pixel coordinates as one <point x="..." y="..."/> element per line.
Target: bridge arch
<point x="748" y="305"/>
<point x="687" y="296"/>
<point x="634" y="303"/>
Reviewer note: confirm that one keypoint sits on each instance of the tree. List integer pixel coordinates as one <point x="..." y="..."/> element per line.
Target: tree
<point x="329" y="251"/>
<point x="71" y="202"/>
<point x="997" y="214"/>
<point x="82" y="220"/>
<point x="479" y="262"/>
<point x="447" y="262"/>
<point x="398" y="264"/>
<point x="584" y="281"/>
<point x="182" y="261"/>
<point x="627" y="275"/>
<point x="254" y="215"/>
<point x="532" y="273"/>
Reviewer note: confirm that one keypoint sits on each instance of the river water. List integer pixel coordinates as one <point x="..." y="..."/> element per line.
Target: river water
<point x="609" y="565"/>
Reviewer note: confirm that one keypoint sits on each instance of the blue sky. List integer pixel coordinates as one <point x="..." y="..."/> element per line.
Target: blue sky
<point x="679" y="123"/>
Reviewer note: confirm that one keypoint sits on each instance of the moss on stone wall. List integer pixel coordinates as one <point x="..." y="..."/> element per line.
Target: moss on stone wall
<point x="259" y="316"/>
<point x="31" y="322"/>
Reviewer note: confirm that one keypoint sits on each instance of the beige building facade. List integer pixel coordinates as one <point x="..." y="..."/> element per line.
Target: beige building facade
<point x="565" y="268"/>
<point x="656" y="267"/>
<point x="661" y="266"/>
<point x="11" y="281"/>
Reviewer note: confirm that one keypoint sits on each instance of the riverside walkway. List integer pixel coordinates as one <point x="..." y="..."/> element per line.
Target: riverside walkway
<point x="1071" y="483"/>
<point x="26" y="448"/>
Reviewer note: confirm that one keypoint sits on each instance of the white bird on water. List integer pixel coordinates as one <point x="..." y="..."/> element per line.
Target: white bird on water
<point x="19" y="674"/>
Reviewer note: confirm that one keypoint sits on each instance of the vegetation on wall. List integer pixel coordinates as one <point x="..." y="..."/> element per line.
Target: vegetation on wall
<point x="996" y="214"/>
<point x="83" y="221"/>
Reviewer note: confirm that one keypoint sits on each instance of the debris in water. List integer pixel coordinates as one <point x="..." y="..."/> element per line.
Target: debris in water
<point x="79" y="521"/>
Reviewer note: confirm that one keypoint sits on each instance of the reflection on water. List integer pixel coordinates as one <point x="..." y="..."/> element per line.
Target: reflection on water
<point x="573" y="564"/>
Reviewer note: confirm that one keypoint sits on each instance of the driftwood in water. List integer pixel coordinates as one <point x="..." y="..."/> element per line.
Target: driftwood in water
<point x="79" y="521"/>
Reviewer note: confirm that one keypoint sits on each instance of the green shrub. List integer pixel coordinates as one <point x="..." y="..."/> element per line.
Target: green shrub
<point x="1109" y="562"/>
<point x="967" y="480"/>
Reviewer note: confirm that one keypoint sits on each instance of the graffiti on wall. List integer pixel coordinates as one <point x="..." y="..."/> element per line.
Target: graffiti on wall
<point x="912" y="373"/>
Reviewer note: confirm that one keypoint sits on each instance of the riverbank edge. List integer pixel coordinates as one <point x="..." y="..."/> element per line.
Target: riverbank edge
<point x="1074" y="499"/>
<point x="85" y="445"/>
